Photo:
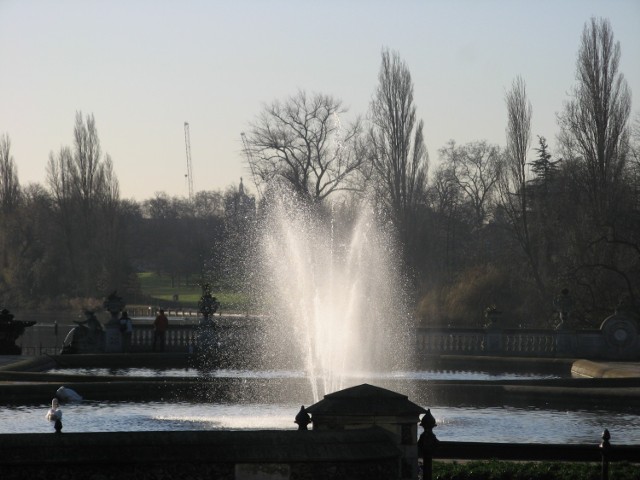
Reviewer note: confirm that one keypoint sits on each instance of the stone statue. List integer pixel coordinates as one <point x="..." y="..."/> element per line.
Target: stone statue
<point x="10" y="330"/>
<point x="564" y="305"/>
<point x="91" y="322"/>
<point x="87" y="337"/>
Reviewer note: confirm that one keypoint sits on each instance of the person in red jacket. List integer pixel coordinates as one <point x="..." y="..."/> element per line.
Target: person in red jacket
<point x="160" y="325"/>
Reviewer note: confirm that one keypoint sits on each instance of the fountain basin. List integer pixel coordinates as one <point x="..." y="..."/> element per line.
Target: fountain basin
<point x="519" y="410"/>
<point x="33" y="381"/>
<point x="464" y="423"/>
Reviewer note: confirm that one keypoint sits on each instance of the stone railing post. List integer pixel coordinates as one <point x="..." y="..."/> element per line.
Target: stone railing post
<point x="564" y="342"/>
<point x="113" y="304"/>
<point x="493" y="330"/>
<point x="427" y="444"/>
<point x="605" y="449"/>
<point x="494" y="338"/>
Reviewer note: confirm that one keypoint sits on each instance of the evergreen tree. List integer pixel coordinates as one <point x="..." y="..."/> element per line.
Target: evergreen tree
<point x="543" y="168"/>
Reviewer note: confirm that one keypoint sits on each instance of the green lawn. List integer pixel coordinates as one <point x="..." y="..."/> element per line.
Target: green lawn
<point x="159" y="287"/>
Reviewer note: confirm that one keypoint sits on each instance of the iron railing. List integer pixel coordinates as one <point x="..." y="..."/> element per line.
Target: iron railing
<point x="604" y="453"/>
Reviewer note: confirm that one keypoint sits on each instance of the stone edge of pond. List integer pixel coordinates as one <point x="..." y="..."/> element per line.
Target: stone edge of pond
<point x="14" y="363"/>
<point x="43" y="363"/>
<point x="25" y="380"/>
<point x="531" y="364"/>
<point x="594" y="369"/>
<point x="581" y="368"/>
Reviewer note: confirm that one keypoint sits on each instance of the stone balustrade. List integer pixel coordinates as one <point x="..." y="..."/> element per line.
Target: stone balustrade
<point x="617" y="339"/>
<point x="182" y="338"/>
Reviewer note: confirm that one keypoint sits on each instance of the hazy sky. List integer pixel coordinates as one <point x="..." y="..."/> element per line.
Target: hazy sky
<point x="143" y="68"/>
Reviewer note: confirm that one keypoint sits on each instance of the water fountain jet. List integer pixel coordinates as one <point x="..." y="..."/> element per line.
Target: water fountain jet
<point x="339" y="293"/>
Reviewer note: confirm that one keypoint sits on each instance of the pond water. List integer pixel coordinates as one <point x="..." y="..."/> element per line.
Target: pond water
<point x="506" y="424"/>
<point x="275" y="406"/>
<point x="240" y="373"/>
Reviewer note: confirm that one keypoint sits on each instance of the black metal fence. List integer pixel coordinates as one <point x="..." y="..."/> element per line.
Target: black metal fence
<point x="604" y="453"/>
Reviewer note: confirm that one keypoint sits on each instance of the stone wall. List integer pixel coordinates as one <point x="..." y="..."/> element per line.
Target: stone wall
<point x="237" y="455"/>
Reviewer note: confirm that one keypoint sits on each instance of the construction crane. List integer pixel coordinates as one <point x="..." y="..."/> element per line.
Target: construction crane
<point x="247" y="152"/>
<point x="189" y="175"/>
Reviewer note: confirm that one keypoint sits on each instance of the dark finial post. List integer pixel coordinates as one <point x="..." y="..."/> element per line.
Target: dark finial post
<point x="605" y="449"/>
<point x="427" y="444"/>
<point x="58" y="426"/>
<point x="302" y="419"/>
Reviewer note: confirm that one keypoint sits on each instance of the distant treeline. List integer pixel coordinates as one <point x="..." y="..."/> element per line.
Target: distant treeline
<point x="491" y="227"/>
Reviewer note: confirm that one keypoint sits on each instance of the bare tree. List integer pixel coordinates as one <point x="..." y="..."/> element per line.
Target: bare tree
<point x="474" y="168"/>
<point x="86" y="199"/>
<point x="59" y="175"/>
<point x="595" y="144"/>
<point x="518" y="138"/>
<point x="447" y="204"/>
<point x="635" y="142"/>
<point x="445" y="191"/>
<point x="208" y="204"/>
<point x="83" y="175"/>
<point x="9" y="198"/>
<point x="92" y="174"/>
<point x="512" y="183"/>
<point x="303" y="143"/>
<point x="9" y="185"/>
<point x="398" y="153"/>
<point x="594" y="123"/>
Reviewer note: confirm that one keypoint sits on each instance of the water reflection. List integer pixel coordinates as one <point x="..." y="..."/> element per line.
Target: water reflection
<point x="534" y="425"/>
<point x="508" y="424"/>
<point x="267" y="374"/>
<point x="238" y="399"/>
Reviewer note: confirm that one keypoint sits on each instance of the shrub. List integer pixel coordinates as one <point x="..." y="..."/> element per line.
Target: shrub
<point x="501" y="470"/>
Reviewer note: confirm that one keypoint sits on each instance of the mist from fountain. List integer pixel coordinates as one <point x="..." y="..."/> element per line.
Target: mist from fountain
<point x="336" y="290"/>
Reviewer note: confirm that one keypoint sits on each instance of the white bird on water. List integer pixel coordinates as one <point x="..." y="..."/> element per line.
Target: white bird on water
<point x="68" y="395"/>
<point x="54" y="414"/>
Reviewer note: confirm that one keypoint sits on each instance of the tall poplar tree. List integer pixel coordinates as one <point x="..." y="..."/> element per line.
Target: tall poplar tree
<point x="398" y="152"/>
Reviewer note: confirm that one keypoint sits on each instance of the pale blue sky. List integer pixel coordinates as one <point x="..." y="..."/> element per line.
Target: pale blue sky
<point x="144" y="67"/>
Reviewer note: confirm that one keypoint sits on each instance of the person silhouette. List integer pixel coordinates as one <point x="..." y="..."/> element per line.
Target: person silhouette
<point x="160" y="325"/>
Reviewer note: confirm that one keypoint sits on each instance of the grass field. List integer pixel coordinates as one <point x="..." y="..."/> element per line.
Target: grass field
<point x="159" y="287"/>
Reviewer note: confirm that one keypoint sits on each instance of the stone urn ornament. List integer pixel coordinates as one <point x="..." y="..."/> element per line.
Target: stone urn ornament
<point x="207" y="305"/>
<point x="492" y="316"/>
